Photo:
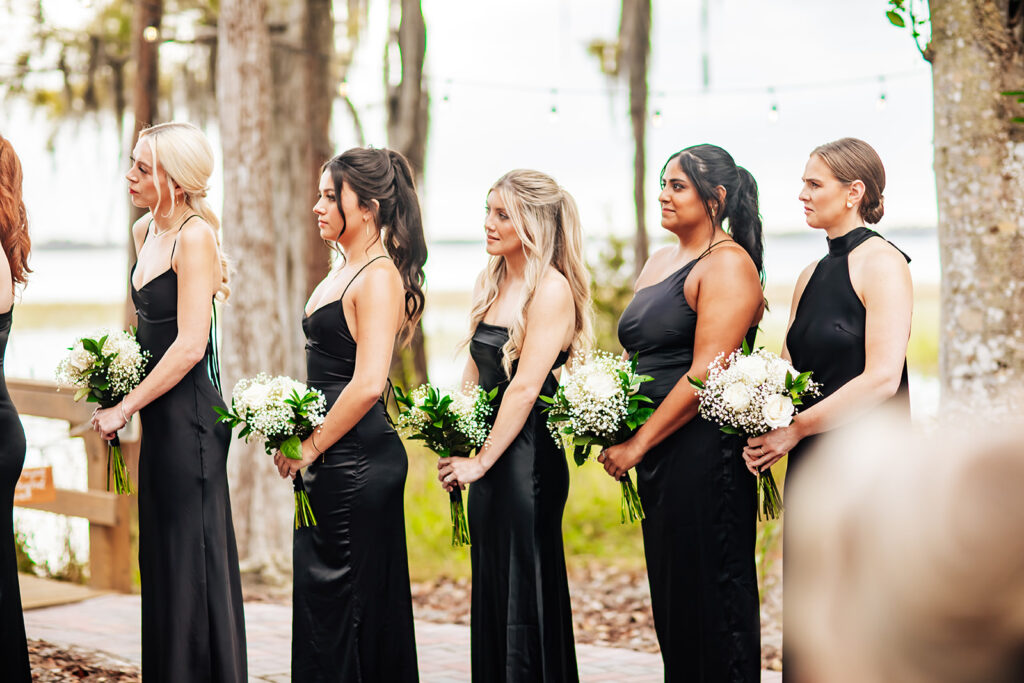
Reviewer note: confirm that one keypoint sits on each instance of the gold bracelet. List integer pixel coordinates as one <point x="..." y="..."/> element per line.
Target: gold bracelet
<point x="123" y="413"/>
<point x="312" y="440"/>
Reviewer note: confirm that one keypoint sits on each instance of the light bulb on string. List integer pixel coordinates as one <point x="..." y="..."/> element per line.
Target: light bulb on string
<point x="657" y="118"/>
<point x="773" y="110"/>
<point x="553" y="112"/>
<point x="881" y="101"/>
<point x="343" y="89"/>
<point x="446" y="99"/>
<point x="150" y="34"/>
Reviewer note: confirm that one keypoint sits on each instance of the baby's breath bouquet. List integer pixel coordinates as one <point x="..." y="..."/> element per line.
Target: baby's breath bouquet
<point x="751" y="393"/>
<point x="102" y="369"/>
<point x="450" y="423"/>
<point x="599" y="404"/>
<point x="283" y="412"/>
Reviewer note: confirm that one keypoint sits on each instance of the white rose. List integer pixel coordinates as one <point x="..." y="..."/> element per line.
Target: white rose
<point x="80" y="359"/>
<point x="753" y="369"/>
<point x="736" y="396"/>
<point x="778" y="411"/>
<point x="255" y="395"/>
<point x="779" y="370"/>
<point x="602" y="386"/>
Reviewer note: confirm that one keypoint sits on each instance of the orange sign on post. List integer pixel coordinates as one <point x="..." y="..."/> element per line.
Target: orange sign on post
<point x="35" y="486"/>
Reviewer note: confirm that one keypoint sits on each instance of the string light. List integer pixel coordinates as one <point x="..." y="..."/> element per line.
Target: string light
<point x="656" y="118"/>
<point x="343" y="89"/>
<point x="773" y="111"/>
<point x="553" y="114"/>
<point x="881" y="102"/>
<point x="150" y="34"/>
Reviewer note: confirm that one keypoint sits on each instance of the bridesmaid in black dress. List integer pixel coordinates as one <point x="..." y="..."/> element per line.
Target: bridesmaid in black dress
<point x="192" y="625"/>
<point x="850" y="319"/>
<point x="531" y="312"/>
<point x="352" y="605"/>
<point x="13" y="271"/>
<point x="695" y="299"/>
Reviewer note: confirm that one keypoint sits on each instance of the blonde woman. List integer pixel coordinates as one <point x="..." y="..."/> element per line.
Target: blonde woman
<point x="192" y="626"/>
<point x="531" y="311"/>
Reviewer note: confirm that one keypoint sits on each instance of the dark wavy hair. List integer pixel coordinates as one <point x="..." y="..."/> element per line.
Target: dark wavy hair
<point x="385" y="175"/>
<point x="13" y="217"/>
<point x="707" y="167"/>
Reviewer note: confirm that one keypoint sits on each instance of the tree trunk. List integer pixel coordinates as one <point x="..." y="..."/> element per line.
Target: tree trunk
<point x="635" y="39"/>
<point x="408" y="123"/>
<point x="253" y="320"/>
<point x="976" y="53"/>
<point x="145" y="54"/>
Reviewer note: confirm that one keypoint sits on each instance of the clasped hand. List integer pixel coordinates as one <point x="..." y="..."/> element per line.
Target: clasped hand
<point x="287" y="467"/>
<point x="459" y="471"/>
<point x="761" y="452"/>
<point x="107" y="421"/>
<point x="621" y="458"/>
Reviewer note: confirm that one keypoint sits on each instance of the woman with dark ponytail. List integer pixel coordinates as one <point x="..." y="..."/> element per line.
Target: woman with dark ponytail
<point x="695" y="299"/>
<point x="352" y="606"/>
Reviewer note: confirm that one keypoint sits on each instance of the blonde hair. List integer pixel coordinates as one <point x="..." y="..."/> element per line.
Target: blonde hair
<point x="547" y="222"/>
<point x="852" y="159"/>
<point x="186" y="157"/>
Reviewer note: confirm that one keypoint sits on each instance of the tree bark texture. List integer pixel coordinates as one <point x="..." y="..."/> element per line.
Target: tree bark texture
<point x="257" y="332"/>
<point x="635" y="41"/>
<point x="977" y="53"/>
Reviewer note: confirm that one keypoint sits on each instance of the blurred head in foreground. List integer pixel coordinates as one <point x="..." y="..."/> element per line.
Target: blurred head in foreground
<point x="907" y="558"/>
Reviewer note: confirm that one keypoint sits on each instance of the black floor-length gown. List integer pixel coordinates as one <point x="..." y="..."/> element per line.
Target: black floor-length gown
<point x="192" y="624"/>
<point x="521" y="621"/>
<point x="827" y="334"/>
<point x="352" y="604"/>
<point x="13" y="649"/>
<point x="699" y="502"/>
<point x="827" y="338"/>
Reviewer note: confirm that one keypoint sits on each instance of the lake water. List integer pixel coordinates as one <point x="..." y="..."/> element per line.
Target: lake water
<point x="59" y="274"/>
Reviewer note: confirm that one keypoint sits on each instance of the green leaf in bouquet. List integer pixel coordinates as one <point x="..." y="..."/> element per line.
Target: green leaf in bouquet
<point x="82" y="393"/>
<point x="640" y="398"/>
<point x="546" y="399"/>
<point x="746" y="348"/>
<point x="700" y="383"/>
<point x="492" y="393"/>
<point x="558" y="417"/>
<point x="292" y="448"/>
<point x="91" y="346"/>
<point x="730" y="430"/>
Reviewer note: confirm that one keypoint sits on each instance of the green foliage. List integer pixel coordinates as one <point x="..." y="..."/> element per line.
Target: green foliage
<point x="913" y="15"/>
<point x="1019" y="94"/>
<point x="441" y="430"/>
<point x="611" y="287"/>
<point x="290" y="445"/>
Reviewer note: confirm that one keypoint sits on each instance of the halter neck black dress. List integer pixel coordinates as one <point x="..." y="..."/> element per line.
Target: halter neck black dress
<point x="352" y="603"/>
<point x="192" y="624"/>
<point x="827" y="334"/>
<point x="13" y="648"/>
<point x="699" y="503"/>
<point x="521" y="620"/>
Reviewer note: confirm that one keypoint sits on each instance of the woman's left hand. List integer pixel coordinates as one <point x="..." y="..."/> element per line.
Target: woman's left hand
<point x="619" y="459"/>
<point x="107" y="421"/>
<point x="761" y="452"/>
<point x="459" y="471"/>
<point x="287" y="467"/>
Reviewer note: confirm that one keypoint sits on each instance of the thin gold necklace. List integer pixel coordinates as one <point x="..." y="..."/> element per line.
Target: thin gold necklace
<point x="157" y="233"/>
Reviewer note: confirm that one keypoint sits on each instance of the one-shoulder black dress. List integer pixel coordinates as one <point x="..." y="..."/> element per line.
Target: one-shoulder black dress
<point x="352" y="603"/>
<point x="13" y="648"/>
<point x="699" y="502"/>
<point x="827" y="334"/>
<point x="521" y="620"/>
<point x="192" y="624"/>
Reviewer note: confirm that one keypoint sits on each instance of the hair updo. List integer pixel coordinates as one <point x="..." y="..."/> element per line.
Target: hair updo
<point x="851" y="159"/>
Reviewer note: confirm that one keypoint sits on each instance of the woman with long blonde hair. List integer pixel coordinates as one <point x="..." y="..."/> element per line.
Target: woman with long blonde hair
<point x="531" y="312"/>
<point x="192" y="625"/>
<point x="13" y="271"/>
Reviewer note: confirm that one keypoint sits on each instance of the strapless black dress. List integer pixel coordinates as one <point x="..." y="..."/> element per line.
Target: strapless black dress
<point x="521" y="620"/>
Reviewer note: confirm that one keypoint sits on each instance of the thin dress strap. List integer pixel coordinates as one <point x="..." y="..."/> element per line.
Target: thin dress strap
<point x="375" y="258"/>
<point x="178" y="234"/>
<point x="710" y="247"/>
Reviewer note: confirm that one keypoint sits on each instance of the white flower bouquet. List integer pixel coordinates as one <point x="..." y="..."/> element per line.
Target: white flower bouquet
<point x="103" y="369"/>
<point x="751" y="393"/>
<point x="450" y="423"/>
<point x="283" y="412"/>
<point x="599" y="404"/>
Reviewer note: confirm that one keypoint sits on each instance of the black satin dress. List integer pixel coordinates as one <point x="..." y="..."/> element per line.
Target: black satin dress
<point x="192" y="624"/>
<point x="700" y="506"/>
<point x="521" y="621"/>
<point x="352" y="604"/>
<point x="827" y="334"/>
<point x="13" y="648"/>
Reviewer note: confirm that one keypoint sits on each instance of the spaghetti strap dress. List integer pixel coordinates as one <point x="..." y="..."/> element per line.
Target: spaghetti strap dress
<point x="700" y="506"/>
<point x="352" y="603"/>
<point x="13" y="647"/>
<point x="192" y="623"/>
<point x="521" y="620"/>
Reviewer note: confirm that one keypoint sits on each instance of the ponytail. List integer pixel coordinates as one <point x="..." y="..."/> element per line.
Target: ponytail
<point x="741" y="208"/>
<point x="568" y="260"/>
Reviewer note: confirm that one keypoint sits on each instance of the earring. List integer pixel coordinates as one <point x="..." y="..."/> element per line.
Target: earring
<point x="849" y="204"/>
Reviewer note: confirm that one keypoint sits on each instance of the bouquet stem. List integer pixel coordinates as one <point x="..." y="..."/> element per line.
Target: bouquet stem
<point x="303" y="511"/>
<point x="631" y="506"/>
<point x="117" y="467"/>
<point x="460" y="526"/>
<point x="769" y="500"/>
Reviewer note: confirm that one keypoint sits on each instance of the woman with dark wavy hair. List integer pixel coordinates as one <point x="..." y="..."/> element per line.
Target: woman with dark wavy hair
<point x="352" y="606"/>
<point x="695" y="299"/>
<point x="13" y="269"/>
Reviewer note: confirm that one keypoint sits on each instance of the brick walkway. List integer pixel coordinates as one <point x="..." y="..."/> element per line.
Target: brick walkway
<point x="111" y="623"/>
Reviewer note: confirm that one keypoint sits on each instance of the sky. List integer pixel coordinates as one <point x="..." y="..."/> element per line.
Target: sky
<point x="503" y="66"/>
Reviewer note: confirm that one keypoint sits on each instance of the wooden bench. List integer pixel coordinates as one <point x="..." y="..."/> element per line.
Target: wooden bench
<point x="108" y="513"/>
